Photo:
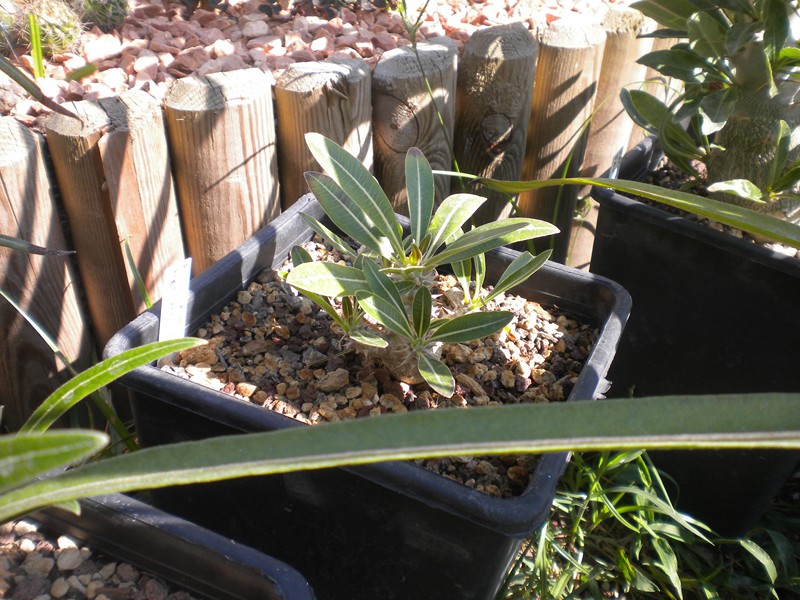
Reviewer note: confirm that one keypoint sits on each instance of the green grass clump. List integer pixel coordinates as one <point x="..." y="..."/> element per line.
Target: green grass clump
<point x="613" y="533"/>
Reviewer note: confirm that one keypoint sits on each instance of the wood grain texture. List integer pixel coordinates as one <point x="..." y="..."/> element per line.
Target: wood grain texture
<point x="495" y="83"/>
<point x="611" y="128"/>
<point x="222" y="138"/>
<point x="332" y="97"/>
<point x="136" y="166"/>
<point x="44" y="286"/>
<point x="75" y="154"/>
<point x="404" y="114"/>
<point x="570" y="57"/>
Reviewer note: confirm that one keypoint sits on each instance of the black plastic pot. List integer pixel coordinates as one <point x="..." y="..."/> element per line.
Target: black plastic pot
<point x="389" y="530"/>
<point x="712" y="314"/>
<point x="196" y="559"/>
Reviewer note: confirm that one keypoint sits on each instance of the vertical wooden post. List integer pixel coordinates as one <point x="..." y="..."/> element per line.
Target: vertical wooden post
<point x="114" y="177"/>
<point x="495" y="84"/>
<point x="136" y="166"/>
<point x="404" y="115"/>
<point x="44" y="286"/>
<point x="570" y="56"/>
<point x="332" y="97"/>
<point x="611" y="127"/>
<point x="222" y="135"/>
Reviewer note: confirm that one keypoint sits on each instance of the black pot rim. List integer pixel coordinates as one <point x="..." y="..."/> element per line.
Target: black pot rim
<point x="512" y="516"/>
<point x="635" y="165"/>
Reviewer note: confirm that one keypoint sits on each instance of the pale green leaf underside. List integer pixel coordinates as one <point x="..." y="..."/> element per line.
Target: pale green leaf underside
<point x="327" y="279"/>
<point x="746" y="420"/>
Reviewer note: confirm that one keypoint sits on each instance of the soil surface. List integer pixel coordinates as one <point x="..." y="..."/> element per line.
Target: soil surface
<point x="163" y="41"/>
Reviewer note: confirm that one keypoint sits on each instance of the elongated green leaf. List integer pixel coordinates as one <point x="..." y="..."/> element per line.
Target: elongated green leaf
<point x="738" y="187"/>
<point x="782" y="147"/>
<point x="742" y="218"/>
<point x="520" y="269"/>
<point x="359" y="185"/>
<point x="492" y="235"/>
<point x="23" y="246"/>
<point x="668" y="564"/>
<point x="452" y="213"/>
<point x="472" y="326"/>
<point x="706" y="35"/>
<point x="419" y="186"/>
<point x="436" y="374"/>
<point x="680" y="63"/>
<point x="327" y="279"/>
<point x="383" y="288"/>
<point x="301" y="256"/>
<point x="24" y="456"/>
<point x="665" y="422"/>
<point x="29" y="86"/>
<point x="669" y="13"/>
<point x="100" y="375"/>
<point x="463" y="273"/>
<point x="421" y="311"/>
<point x="36" y="45"/>
<point x="329" y="236"/>
<point x="789" y="179"/>
<point x="739" y="35"/>
<point x="349" y="217"/>
<point x="386" y="314"/>
<point x="480" y="272"/>
<point x="776" y="26"/>
<point x="368" y="338"/>
<point x="717" y="107"/>
<point x="761" y="556"/>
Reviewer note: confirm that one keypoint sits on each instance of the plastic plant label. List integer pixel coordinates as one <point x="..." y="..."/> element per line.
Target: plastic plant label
<point x="175" y="300"/>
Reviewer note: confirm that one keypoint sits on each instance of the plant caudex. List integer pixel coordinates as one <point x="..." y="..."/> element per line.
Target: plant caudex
<point x="386" y="304"/>
<point x="739" y="70"/>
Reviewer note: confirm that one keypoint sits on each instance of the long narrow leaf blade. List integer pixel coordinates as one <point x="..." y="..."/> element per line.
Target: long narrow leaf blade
<point x="725" y="421"/>
<point x="327" y="279"/>
<point x="23" y="246"/>
<point x="729" y="214"/>
<point x="472" y="326"/>
<point x="348" y="216"/>
<point x="421" y="311"/>
<point x="419" y="186"/>
<point x="520" y="269"/>
<point x="490" y="236"/>
<point x="359" y="184"/>
<point x="385" y="314"/>
<point x="100" y="375"/>
<point x="452" y="213"/>
<point x="24" y="456"/>
<point x="436" y="373"/>
<point x="328" y="235"/>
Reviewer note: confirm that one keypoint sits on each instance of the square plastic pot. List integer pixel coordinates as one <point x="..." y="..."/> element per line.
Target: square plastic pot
<point x="389" y="530"/>
<point x="189" y="556"/>
<point x="712" y="314"/>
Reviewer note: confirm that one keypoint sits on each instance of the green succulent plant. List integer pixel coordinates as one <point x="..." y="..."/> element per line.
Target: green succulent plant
<point x="385" y="299"/>
<point x="59" y="25"/>
<point x="106" y="14"/>
<point x="739" y="69"/>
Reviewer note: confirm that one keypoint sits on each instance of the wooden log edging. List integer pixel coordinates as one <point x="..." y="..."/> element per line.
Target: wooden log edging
<point x="495" y="82"/>
<point x="222" y="136"/>
<point x="46" y="287"/>
<point x="404" y="114"/>
<point x="114" y="176"/>
<point x="611" y="128"/>
<point x="332" y="97"/>
<point x="570" y="57"/>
